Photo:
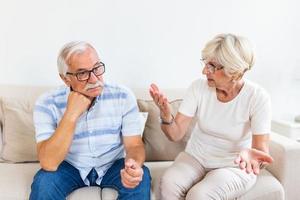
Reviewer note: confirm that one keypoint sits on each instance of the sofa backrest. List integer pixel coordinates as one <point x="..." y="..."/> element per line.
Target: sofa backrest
<point x="16" y="110"/>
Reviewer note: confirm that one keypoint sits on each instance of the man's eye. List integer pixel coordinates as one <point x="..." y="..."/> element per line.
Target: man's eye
<point x="82" y="73"/>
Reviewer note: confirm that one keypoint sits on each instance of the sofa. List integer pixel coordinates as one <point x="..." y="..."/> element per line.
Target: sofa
<point x="19" y="163"/>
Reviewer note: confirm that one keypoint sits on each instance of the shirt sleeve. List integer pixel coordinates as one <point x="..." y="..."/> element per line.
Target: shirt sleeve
<point x="131" y="121"/>
<point x="44" y="119"/>
<point x="261" y="114"/>
<point x="190" y="101"/>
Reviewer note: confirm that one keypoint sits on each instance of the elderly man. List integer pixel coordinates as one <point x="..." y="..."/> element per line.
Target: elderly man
<point x="83" y="129"/>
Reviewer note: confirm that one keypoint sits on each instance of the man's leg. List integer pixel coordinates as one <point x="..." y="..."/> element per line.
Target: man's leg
<point x="112" y="179"/>
<point x="56" y="185"/>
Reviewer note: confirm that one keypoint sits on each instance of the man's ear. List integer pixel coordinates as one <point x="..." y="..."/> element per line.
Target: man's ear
<point x="65" y="79"/>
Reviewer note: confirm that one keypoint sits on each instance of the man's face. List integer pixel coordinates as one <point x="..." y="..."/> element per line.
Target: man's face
<point x="81" y="62"/>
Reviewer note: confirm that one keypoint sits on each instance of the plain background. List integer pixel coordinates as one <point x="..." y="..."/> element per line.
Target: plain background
<point x="145" y="41"/>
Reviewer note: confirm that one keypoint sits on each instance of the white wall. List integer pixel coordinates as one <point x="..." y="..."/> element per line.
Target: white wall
<point x="144" y="41"/>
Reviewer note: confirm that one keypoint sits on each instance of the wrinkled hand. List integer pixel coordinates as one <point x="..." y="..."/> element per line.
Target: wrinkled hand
<point x="77" y="104"/>
<point x="132" y="174"/>
<point x="161" y="101"/>
<point x="252" y="159"/>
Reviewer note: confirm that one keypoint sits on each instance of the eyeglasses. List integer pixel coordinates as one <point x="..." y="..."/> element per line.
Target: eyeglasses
<point x="212" y="68"/>
<point x="85" y="75"/>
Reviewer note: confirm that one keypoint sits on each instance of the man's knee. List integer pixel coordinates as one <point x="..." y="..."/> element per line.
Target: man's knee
<point x="146" y="176"/>
<point x="45" y="183"/>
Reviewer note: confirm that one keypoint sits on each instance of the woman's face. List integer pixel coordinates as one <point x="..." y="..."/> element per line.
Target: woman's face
<point x="215" y="74"/>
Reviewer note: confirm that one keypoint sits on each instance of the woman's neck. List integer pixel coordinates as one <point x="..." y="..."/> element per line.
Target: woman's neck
<point x="229" y="92"/>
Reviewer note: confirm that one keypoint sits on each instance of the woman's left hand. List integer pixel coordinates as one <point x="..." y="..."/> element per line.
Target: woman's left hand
<point x="252" y="160"/>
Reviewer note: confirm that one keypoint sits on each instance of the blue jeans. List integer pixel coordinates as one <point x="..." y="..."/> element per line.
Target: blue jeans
<point x="59" y="184"/>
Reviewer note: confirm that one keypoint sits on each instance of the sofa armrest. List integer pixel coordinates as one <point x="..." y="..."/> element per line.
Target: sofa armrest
<point x="286" y="154"/>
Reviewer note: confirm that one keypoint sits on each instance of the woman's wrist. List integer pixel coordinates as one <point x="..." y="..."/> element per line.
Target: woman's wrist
<point x="167" y="120"/>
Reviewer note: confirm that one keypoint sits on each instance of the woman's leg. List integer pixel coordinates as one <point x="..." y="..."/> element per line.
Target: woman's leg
<point x="180" y="177"/>
<point x="223" y="183"/>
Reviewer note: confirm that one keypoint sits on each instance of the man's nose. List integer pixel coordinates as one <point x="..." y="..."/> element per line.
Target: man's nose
<point x="93" y="77"/>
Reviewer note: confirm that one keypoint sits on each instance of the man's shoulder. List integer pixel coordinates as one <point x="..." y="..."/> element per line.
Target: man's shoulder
<point x="51" y="96"/>
<point x="116" y="89"/>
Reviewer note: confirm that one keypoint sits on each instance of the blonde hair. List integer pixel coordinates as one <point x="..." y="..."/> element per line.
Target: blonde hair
<point x="233" y="52"/>
<point x="67" y="51"/>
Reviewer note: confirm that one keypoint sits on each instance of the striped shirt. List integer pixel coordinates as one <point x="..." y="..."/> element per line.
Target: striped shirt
<point x="97" y="141"/>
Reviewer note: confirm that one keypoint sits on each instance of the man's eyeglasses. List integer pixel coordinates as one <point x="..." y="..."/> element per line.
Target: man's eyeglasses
<point x="212" y="68"/>
<point x="85" y="75"/>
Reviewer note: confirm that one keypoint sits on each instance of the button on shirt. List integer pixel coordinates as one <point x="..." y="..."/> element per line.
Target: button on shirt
<point x="97" y="141"/>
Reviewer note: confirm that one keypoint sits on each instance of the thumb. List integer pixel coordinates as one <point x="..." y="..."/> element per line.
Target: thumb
<point x="130" y="163"/>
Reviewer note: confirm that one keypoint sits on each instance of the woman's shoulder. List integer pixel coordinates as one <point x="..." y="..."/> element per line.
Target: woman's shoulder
<point x="255" y="90"/>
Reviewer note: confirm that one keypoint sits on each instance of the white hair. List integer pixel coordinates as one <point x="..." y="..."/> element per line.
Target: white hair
<point x="233" y="52"/>
<point x="67" y="51"/>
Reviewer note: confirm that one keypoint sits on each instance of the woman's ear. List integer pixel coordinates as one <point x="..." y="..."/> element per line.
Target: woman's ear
<point x="66" y="80"/>
<point x="237" y="77"/>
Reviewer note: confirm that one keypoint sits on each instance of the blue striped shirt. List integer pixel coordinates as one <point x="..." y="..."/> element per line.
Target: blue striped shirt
<point x="97" y="141"/>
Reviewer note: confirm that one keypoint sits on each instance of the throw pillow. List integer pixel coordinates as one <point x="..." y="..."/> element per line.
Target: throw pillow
<point x="157" y="145"/>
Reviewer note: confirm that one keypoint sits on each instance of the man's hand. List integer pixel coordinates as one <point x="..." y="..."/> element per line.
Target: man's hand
<point x="252" y="160"/>
<point x="132" y="174"/>
<point x="161" y="101"/>
<point x="77" y="104"/>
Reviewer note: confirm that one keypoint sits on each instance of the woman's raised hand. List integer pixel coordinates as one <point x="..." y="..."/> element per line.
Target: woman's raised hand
<point x="161" y="101"/>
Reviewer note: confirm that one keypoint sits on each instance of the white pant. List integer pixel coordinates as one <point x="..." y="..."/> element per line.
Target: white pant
<point x="188" y="179"/>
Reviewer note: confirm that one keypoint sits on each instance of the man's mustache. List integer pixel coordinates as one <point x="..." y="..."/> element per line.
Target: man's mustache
<point x="92" y="86"/>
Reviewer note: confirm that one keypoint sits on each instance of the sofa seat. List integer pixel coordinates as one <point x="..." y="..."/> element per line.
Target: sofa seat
<point x="17" y="178"/>
<point x="18" y="150"/>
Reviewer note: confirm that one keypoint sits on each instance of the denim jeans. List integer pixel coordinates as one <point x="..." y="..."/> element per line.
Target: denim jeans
<point x="59" y="184"/>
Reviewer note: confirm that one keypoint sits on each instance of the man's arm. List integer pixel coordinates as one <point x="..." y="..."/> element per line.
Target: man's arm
<point x="134" y="148"/>
<point x="53" y="151"/>
<point x="132" y="174"/>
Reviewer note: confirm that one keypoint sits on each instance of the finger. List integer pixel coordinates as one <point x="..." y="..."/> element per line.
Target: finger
<point x="130" y="163"/>
<point x="237" y="160"/>
<point x="160" y="99"/>
<point x="249" y="167"/>
<point x="255" y="167"/>
<point x="125" y="182"/>
<point x="129" y="180"/>
<point x="268" y="159"/>
<point x="263" y="156"/>
<point x="151" y="92"/>
<point x="242" y="165"/>
<point x="137" y="172"/>
<point x="154" y="87"/>
<point x="165" y="104"/>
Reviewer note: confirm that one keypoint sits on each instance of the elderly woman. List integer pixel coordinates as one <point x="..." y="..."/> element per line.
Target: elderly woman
<point x="229" y="143"/>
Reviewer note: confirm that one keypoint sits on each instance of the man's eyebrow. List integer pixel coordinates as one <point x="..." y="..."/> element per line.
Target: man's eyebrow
<point x="84" y="69"/>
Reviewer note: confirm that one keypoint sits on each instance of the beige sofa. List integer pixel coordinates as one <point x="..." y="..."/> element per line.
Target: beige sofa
<point x="19" y="163"/>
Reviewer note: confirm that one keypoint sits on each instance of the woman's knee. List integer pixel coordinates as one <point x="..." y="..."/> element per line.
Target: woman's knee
<point x="199" y="193"/>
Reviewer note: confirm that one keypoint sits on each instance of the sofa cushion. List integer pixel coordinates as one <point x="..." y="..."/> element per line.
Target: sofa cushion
<point x="18" y="130"/>
<point x="16" y="105"/>
<point x="157" y="145"/>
